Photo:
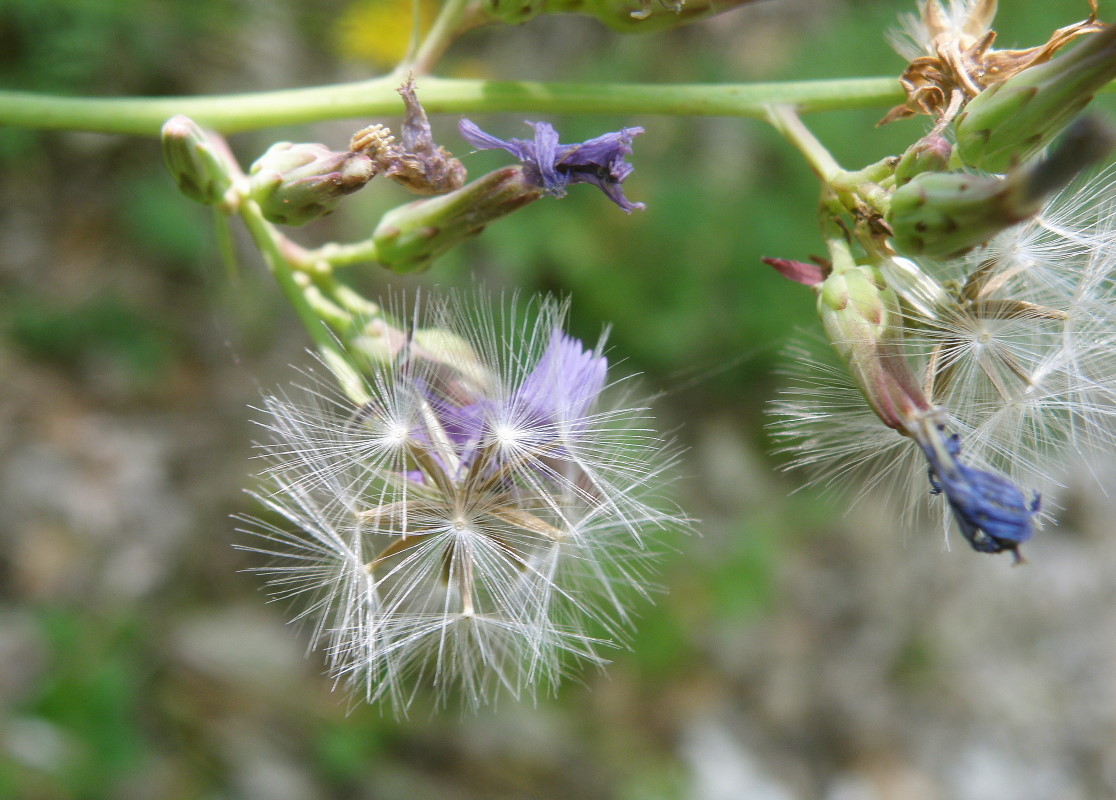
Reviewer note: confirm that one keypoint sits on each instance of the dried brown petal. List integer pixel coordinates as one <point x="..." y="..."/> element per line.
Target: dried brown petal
<point x="962" y="62"/>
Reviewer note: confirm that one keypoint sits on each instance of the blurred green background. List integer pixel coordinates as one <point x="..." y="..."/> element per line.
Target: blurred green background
<point x="801" y="649"/>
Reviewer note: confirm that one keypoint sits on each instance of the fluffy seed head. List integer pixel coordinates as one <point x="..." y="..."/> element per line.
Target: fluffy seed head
<point x="1015" y="346"/>
<point x="476" y="518"/>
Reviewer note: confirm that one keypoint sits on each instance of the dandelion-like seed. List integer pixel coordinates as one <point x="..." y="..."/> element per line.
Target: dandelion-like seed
<point x="1014" y="350"/>
<point x="476" y="518"/>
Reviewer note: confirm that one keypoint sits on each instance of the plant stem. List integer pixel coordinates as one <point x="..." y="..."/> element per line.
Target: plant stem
<point x="344" y="255"/>
<point x="449" y="23"/>
<point x="265" y="238"/>
<point x="143" y="116"/>
<point x="786" y="121"/>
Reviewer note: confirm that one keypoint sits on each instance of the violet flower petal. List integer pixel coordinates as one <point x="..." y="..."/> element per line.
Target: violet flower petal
<point x="552" y="166"/>
<point x="565" y="382"/>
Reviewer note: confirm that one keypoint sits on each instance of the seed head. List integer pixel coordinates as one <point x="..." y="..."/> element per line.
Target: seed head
<point x="476" y="519"/>
<point x="1013" y="345"/>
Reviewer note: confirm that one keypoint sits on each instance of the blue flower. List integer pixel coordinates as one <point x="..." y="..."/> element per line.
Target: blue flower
<point x="553" y="166"/>
<point x="992" y="512"/>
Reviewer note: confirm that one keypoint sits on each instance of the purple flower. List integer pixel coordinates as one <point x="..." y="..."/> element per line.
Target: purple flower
<point x="553" y="166"/>
<point x="991" y="511"/>
<point x="565" y="381"/>
<point x="554" y="398"/>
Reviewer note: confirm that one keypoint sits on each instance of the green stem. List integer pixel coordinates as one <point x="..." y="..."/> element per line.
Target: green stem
<point x="297" y="287"/>
<point x="144" y="116"/>
<point x="344" y="255"/>
<point x="786" y="121"/>
<point x="265" y="238"/>
<point x="448" y="24"/>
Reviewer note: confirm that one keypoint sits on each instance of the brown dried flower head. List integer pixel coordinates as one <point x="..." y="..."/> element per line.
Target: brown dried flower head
<point x="416" y="163"/>
<point x="952" y="59"/>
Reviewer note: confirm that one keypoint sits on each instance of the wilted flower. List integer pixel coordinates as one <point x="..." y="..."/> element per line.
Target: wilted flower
<point x="552" y="166"/>
<point x="479" y="513"/>
<point x="416" y="162"/>
<point x="952" y="59"/>
<point x="1014" y="348"/>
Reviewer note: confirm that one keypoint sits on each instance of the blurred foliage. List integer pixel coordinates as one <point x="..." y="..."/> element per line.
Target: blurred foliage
<point x="105" y="264"/>
<point x="100" y="327"/>
<point x="380" y="31"/>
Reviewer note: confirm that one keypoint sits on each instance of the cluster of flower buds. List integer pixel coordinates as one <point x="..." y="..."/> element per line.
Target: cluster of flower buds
<point x="1007" y="106"/>
<point x="293" y="184"/>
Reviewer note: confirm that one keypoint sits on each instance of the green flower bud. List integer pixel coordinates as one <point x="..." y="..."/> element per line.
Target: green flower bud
<point x="1012" y="120"/>
<point x="297" y="183"/>
<point x="410" y="237"/>
<point x="929" y="154"/>
<point x="857" y="308"/>
<point x="863" y="322"/>
<point x="945" y="214"/>
<point x="199" y="165"/>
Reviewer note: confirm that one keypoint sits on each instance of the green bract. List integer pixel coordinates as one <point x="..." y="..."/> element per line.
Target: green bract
<point x="410" y="237"/>
<point x="1010" y="121"/>
<point x="945" y="214"/>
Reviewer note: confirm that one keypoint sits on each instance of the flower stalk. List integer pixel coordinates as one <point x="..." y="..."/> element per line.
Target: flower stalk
<point x="234" y="113"/>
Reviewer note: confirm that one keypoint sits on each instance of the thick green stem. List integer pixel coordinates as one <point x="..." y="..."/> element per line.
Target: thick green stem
<point x="144" y="116"/>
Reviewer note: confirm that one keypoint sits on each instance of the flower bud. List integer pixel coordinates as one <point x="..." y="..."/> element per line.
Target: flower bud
<point x="410" y="237"/>
<point x="196" y="162"/>
<point x="453" y="366"/>
<point x="856" y="307"/>
<point x="945" y="214"/>
<point x="1012" y="120"/>
<point x="297" y="183"/>
<point x="863" y="322"/>
<point x="929" y="154"/>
